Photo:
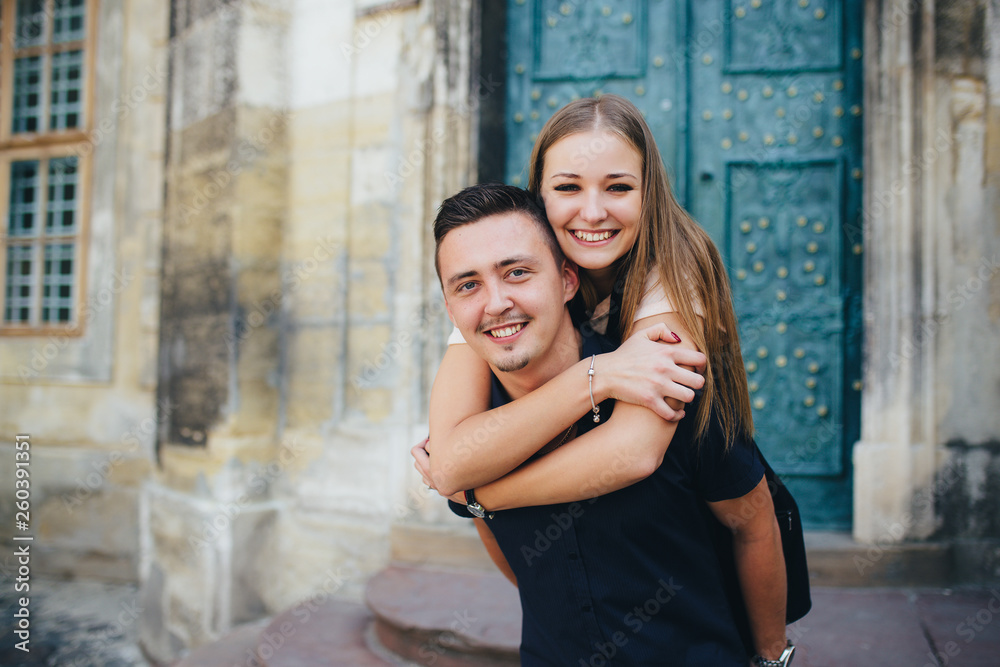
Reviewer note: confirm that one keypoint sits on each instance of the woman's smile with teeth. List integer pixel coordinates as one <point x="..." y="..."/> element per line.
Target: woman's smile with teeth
<point x="507" y="331"/>
<point x="597" y="236"/>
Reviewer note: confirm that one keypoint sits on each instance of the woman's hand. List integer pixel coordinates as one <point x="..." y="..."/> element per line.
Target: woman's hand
<point x="422" y="462"/>
<point x="649" y="368"/>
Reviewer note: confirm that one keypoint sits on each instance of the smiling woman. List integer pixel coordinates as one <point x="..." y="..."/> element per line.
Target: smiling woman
<point x="594" y="207"/>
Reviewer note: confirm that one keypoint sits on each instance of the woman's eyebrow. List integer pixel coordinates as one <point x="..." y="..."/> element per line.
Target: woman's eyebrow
<point x="567" y="174"/>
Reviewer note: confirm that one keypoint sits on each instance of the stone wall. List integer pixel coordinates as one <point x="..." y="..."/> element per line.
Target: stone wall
<point x="88" y="400"/>
<point x="301" y="315"/>
<point x="928" y="459"/>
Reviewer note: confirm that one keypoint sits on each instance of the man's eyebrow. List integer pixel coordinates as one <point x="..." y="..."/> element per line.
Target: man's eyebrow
<point x="503" y="263"/>
<point x="518" y="259"/>
<point x="459" y="277"/>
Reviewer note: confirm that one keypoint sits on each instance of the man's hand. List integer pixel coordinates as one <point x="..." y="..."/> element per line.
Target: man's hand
<point x="644" y="371"/>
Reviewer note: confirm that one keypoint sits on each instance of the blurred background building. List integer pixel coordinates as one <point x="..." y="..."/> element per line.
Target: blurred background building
<point x="220" y="314"/>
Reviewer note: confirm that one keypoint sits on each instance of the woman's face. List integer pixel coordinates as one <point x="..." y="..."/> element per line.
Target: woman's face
<point x="592" y="188"/>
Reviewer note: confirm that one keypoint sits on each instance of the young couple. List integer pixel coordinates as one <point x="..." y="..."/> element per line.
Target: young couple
<point x="601" y="510"/>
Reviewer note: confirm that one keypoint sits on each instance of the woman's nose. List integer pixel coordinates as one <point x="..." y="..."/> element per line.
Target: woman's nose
<point x="593" y="210"/>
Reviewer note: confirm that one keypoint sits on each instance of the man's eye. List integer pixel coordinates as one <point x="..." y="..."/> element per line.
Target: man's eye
<point x="518" y="273"/>
<point x="465" y="287"/>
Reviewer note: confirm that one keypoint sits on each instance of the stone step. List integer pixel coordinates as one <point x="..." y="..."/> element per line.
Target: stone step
<point x="449" y="607"/>
<point x="323" y="631"/>
<point x="235" y="648"/>
<point x="446" y="617"/>
<point x="834" y="558"/>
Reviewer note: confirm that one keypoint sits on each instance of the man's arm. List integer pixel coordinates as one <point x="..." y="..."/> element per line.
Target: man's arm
<point x="760" y="565"/>
<point x="493" y="549"/>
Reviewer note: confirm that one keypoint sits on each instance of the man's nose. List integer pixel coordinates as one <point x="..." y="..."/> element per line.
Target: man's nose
<point x="498" y="299"/>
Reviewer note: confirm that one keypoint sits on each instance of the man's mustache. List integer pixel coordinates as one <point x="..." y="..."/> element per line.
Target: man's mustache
<point x="510" y="319"/>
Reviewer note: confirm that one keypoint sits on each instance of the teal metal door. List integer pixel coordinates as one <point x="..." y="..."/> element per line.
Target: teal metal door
<point x="756" y="106"/>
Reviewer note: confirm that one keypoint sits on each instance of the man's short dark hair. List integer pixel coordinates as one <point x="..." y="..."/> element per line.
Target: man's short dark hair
<point x="487" y="199"/>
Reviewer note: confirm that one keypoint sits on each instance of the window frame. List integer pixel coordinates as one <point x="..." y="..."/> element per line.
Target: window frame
<point x="43" y="146"/>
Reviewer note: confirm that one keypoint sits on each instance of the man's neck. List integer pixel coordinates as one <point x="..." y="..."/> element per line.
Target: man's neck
<point x="565" y="352"/>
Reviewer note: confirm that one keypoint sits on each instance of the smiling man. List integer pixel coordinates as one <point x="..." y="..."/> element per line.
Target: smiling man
<point x="506" y="281"/>
<point x="633" y="576"/>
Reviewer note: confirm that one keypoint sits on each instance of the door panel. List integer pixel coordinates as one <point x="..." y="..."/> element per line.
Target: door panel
<point x="561" y="51"/>
<point x="775" y="154"/>
<point x="756" y="107"/>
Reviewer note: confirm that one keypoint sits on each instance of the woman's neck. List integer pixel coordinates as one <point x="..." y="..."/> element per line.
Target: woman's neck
<point x="603" y="281"/>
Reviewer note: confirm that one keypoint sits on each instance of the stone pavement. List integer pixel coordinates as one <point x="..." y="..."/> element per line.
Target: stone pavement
<point x="72" y="624"/>
<point x="881" y="627"/>
<point x="79" y="623"/>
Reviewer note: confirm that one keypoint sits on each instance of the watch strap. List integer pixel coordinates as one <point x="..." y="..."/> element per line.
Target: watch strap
<point x="783" y="660"/>
<point x="474" y="507"/>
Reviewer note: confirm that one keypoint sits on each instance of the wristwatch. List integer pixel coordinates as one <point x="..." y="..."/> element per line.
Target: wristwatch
<point x="474" y="507"/>
<point x="783" y="660"/>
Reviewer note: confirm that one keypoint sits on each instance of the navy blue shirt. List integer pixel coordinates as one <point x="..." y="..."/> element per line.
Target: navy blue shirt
<point x="631" y="577"/>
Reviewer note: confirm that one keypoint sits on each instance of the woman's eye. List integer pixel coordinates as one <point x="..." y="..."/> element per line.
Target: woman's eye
<point x="620" y="187"/>
<point x="567" y="187"/>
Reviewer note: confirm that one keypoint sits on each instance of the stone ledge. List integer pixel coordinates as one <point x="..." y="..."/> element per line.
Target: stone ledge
<point x="238" y="647"/>
<point x="836" y="560"/>
<point x="439" y="546"/>
<point x="329" y="632"/>
<point x="446" y="617"/>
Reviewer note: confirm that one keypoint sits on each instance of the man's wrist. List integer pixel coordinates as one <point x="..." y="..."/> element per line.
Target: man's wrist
<point x="770" y="658"/>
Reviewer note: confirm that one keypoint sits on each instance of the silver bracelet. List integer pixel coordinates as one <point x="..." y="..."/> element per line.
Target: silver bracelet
<point x="590" y="380"/>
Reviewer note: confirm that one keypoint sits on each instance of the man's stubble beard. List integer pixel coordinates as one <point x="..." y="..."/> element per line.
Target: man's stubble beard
<point x="512" y="364"/>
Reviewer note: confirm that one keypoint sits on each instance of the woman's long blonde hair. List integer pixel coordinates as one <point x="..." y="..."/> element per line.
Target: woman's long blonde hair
<point x="673" y="245"/>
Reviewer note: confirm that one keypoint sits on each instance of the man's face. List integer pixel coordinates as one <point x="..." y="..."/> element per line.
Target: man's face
<point x="504" y="290"/>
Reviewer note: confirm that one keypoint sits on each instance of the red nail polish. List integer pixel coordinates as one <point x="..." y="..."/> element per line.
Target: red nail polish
<point x="676" y="337"/>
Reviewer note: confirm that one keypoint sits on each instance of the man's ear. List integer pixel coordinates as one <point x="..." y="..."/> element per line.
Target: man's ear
<point x="571" y="280"/>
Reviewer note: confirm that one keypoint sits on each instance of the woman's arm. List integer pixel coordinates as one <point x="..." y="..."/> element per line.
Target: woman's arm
<point x="471" y="445"/>
<point x="626" y="449"/>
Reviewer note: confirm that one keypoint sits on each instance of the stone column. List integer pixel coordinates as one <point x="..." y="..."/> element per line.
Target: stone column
<point x="222" y="292"/>
<point x="893" y="454"/>
<point x="928" y="459"/>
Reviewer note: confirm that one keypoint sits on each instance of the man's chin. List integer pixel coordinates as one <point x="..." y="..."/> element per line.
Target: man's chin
<point x="510" y="364"/>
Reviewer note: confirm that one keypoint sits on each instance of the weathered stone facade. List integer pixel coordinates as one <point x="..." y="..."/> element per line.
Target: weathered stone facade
<point x="927" y="464"/>
<point x="233" y="426"/>
<point x="88" y="400"/>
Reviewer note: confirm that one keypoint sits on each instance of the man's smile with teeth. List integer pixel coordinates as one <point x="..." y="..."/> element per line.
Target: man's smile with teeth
<point x="506" y="331"/>
<point x="598" y="236"/>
